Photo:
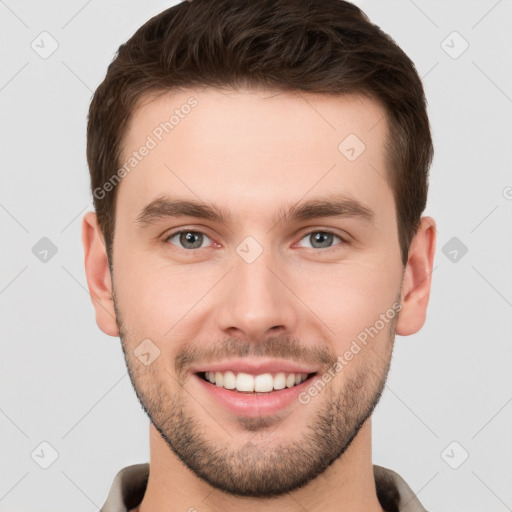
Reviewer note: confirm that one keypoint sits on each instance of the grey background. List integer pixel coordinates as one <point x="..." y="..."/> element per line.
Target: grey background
<point x="64" y="382"/>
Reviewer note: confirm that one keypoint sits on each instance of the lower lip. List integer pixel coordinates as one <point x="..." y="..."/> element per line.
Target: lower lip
<point x="253" y="405"/>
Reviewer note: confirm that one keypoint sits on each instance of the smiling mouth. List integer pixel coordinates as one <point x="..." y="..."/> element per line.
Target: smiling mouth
<point x="264" y="383"/>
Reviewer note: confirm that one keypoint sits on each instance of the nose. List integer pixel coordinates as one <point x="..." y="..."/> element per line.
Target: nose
<point x="256" y="302"/>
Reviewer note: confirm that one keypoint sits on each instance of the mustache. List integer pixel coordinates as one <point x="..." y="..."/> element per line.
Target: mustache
<point x="282" y="347"/>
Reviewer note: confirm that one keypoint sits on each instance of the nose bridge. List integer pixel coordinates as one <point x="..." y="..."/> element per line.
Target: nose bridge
<point x="255" y="301"/>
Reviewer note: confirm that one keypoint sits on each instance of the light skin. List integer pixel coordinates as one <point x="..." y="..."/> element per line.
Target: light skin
<point x="253" y="154"/>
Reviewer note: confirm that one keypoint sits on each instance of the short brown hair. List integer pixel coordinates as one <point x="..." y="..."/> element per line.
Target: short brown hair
<point x="318" y="46"/>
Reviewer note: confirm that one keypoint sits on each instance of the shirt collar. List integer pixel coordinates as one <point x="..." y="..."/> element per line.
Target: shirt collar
<point x="129" y="486"/>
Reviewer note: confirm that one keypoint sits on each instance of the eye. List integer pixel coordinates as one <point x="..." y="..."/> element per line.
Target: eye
<point x="188" y="239"/>
<point x="321" y="239"/>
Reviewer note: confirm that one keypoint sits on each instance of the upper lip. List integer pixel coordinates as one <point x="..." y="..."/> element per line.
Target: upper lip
<point x="256" y="366"/>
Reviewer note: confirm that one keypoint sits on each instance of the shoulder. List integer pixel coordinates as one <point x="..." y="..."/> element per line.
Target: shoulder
<point x="393" y="492"/>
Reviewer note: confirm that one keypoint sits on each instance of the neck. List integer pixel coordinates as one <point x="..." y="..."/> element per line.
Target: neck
<point x="347" y="485"/>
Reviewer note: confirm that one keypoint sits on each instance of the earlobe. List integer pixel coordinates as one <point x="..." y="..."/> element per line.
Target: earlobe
<point x="417" y="279"/>
<point x="98" y="274"/>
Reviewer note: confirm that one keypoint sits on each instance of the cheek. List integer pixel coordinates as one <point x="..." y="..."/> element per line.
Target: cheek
<point x="350" y="298"/>
<point x="155" y="297"/>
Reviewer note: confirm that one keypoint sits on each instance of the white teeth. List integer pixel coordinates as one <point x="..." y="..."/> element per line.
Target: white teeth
<point x="280" y="381"/>
<point x="263" y="383"/>
<point x="229" y="380"/>
<point x="244" y="382"/>
<point x="247" y="383"/>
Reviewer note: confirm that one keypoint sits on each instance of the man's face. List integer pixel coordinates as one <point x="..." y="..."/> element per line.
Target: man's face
<point x="257" y="292"/>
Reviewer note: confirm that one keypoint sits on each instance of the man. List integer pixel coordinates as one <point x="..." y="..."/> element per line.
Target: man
<point x="259" y="171"/>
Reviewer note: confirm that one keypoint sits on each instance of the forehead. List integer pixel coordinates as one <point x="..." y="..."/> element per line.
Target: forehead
<point x="253" y="148"/>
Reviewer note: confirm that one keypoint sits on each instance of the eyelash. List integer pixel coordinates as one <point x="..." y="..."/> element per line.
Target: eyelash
<point x="315" y="249"/>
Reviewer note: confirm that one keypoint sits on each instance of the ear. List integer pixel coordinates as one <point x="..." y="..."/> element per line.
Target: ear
<point x="98" y="274"/>
<point x="417" y="279"/>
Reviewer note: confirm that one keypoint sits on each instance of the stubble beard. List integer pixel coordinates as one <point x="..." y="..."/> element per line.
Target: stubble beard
<point x="254" y="469"/>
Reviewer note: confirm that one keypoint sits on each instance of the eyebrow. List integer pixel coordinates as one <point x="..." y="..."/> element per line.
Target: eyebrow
<point x="167" y="207"/>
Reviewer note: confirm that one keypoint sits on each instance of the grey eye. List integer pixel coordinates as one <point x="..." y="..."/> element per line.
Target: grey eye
<point x="320" y="239"/>
<point x="189" y="239"/>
